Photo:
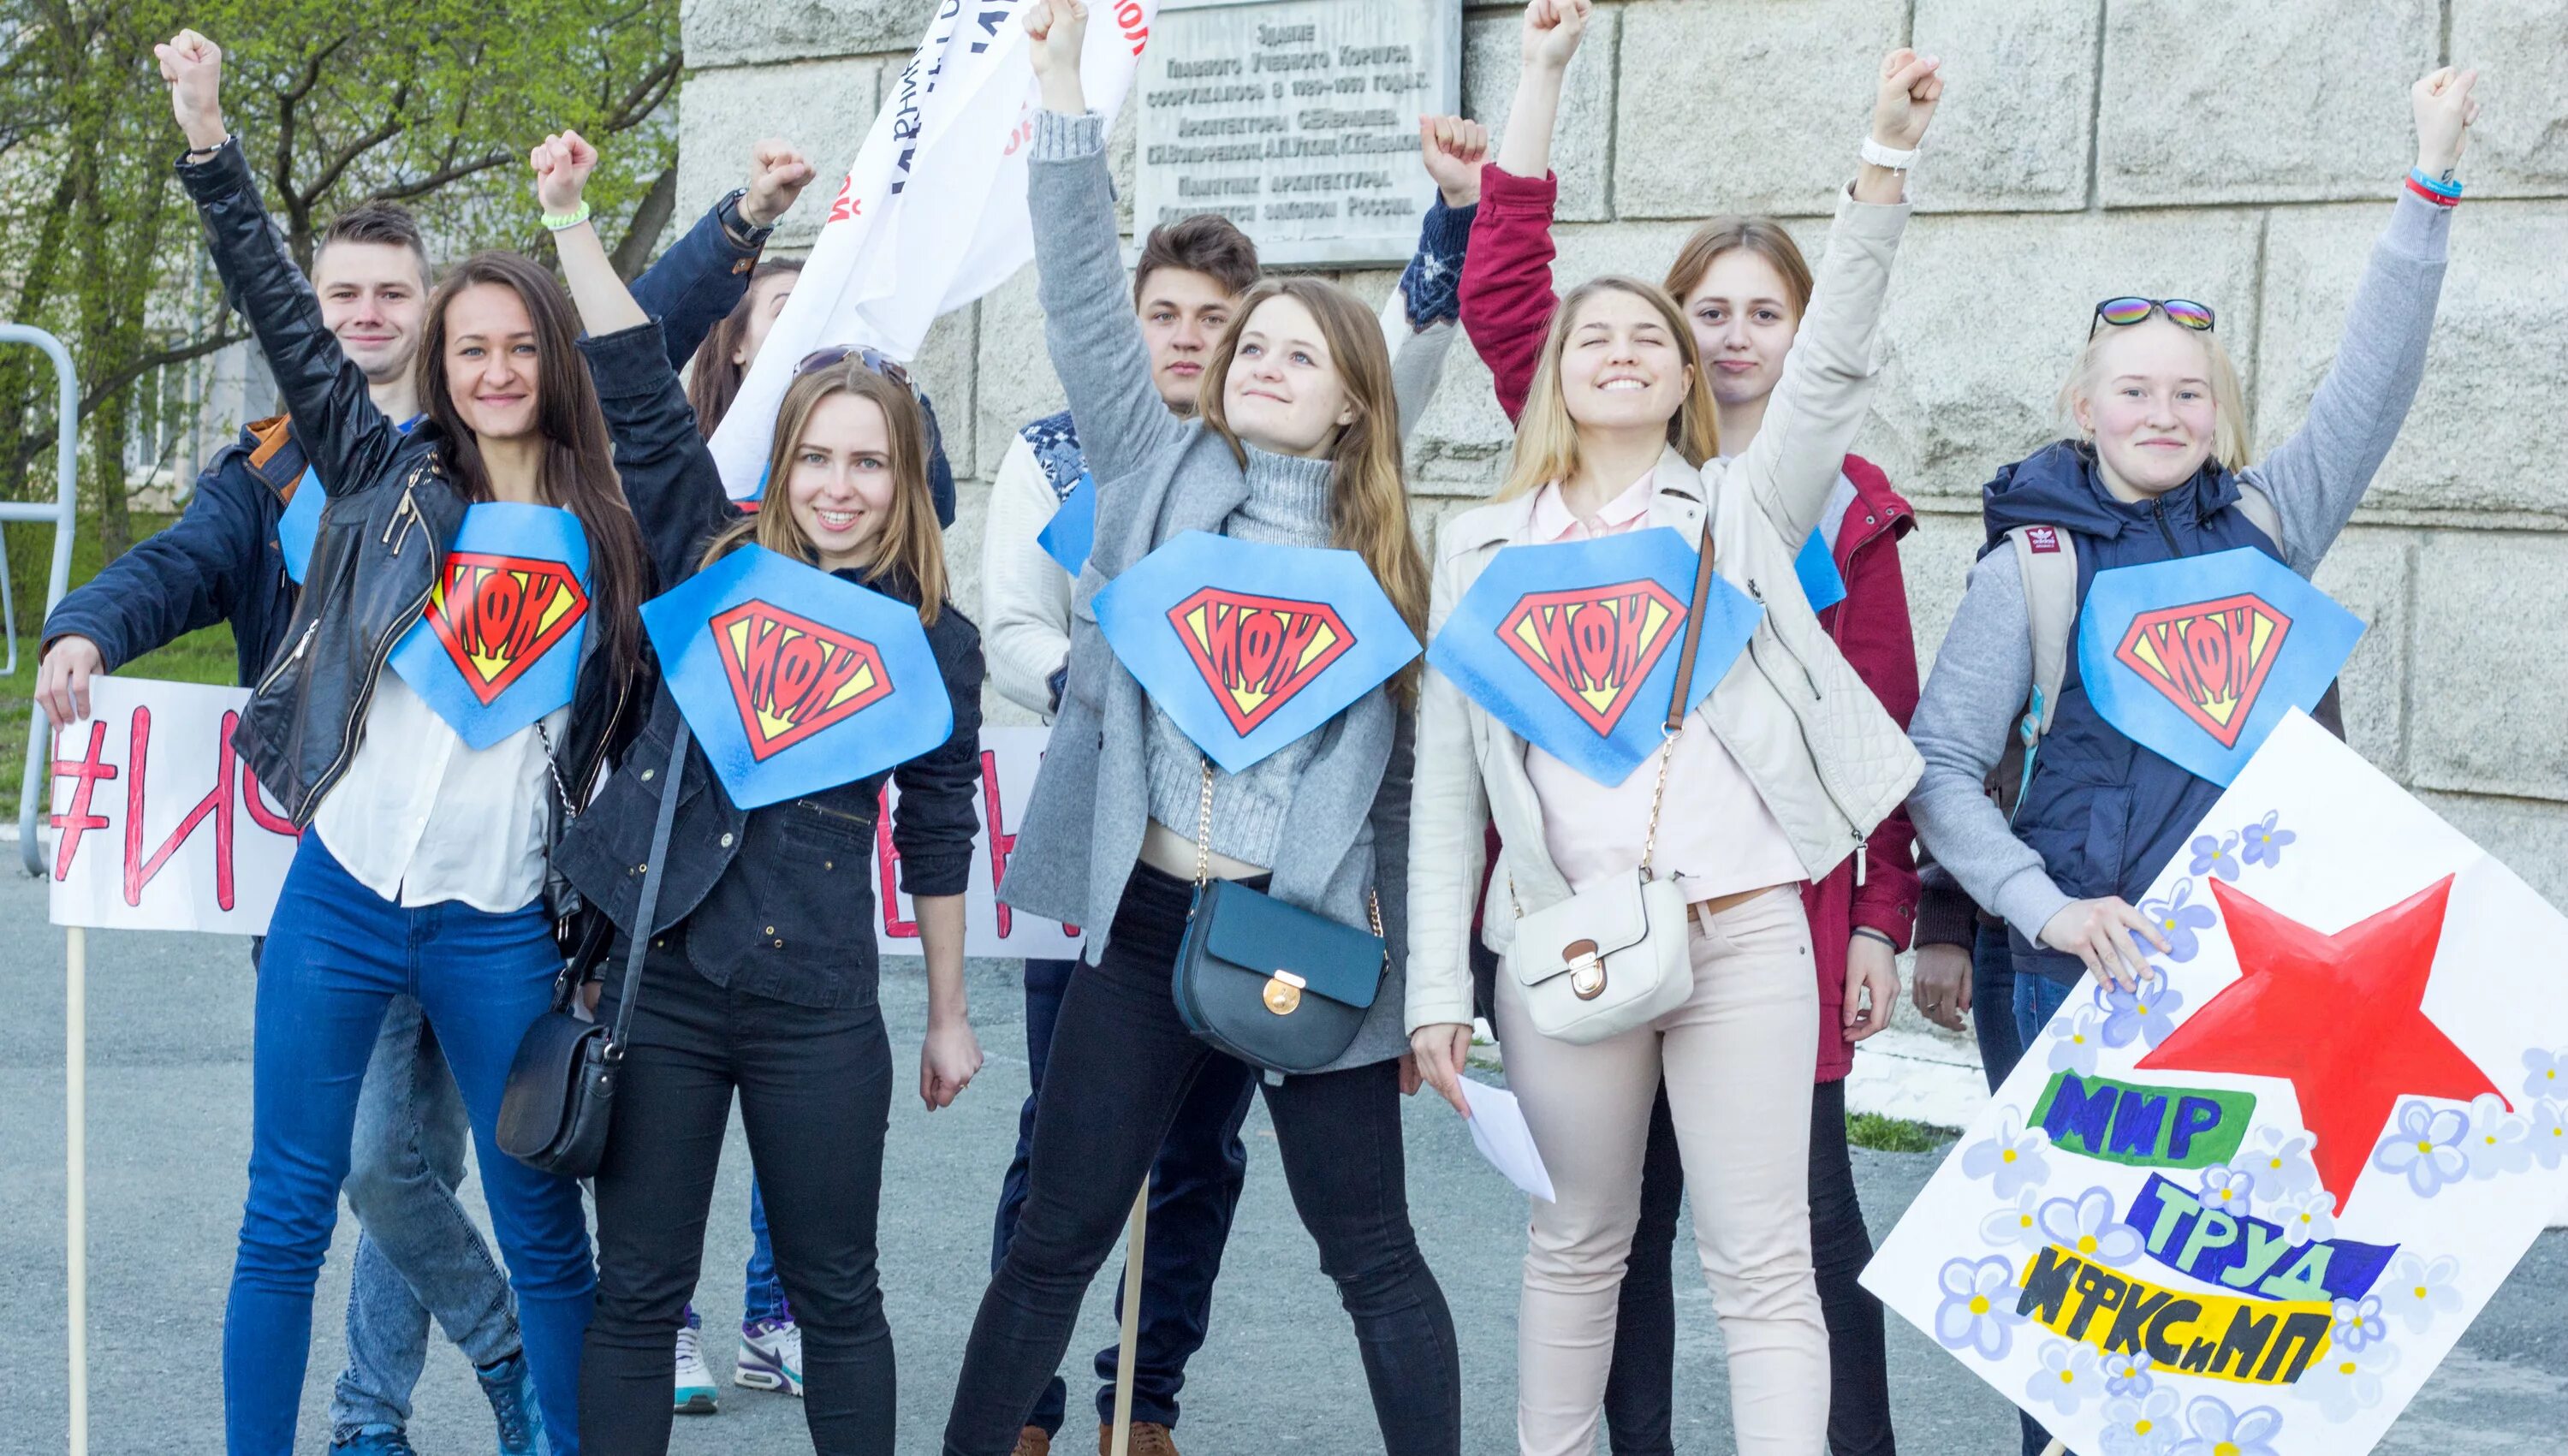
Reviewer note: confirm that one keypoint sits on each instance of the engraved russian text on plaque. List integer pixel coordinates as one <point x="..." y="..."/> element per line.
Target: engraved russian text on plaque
<point x="1297" y="120"/>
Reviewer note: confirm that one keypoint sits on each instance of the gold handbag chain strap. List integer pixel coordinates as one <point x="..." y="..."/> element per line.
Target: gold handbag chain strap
<point x="1203" y="831"/>
<point x="1674" y="727"/>
<point x="1203" y="855"/>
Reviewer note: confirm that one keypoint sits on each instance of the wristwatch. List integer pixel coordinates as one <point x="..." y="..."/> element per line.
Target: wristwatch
<point x="738" y="228"/>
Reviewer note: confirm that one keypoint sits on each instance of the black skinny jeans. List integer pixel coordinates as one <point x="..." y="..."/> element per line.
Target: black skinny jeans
<point x="815" y="1098"/>
<point x="1121" y="1063"/>
<point x="1640" y="1391"/>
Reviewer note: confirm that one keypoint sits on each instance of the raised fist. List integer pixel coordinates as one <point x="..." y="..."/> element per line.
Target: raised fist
<point x="1911" y="85"/>
<point x="1552" y="31"/>
<point x="562" y="163"/>
<point x="1453" y="149"/>
<point x="777" y="176"/>
<point x="194" y="67"/>
<point x="1058" y="29"/>
<point x="2444" y="113"/>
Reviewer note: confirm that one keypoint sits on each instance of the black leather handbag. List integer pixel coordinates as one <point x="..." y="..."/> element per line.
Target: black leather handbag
<point x="1271" y="984"/>
<point x="561" y="1086"/>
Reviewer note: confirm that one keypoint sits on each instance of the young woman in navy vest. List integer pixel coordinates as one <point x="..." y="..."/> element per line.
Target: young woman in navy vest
<point x="2153" y="465"/>
<point x="761" y="973"/>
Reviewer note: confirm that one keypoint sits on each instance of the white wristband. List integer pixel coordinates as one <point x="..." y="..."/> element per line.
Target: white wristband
<point x="1880" y="156"/>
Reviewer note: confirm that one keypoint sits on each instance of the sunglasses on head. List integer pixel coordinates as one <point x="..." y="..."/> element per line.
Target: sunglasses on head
<point x="880" y="363"/>
<point x="2124" y="312"/>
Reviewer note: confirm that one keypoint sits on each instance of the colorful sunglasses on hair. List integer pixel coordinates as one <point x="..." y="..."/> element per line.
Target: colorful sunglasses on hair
<point x="880" y="363"/>
<point x="2124" y="312"/>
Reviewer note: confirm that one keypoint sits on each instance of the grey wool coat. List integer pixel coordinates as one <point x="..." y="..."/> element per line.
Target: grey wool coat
<point x="1156" y="475"/>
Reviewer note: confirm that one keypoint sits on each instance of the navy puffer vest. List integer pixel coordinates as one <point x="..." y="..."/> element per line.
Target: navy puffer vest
<point x="2105" y="813"/>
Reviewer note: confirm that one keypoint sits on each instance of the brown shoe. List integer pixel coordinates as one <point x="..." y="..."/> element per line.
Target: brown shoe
<point x="1033" y="1441"/>
<point x="1150" y="1438"/>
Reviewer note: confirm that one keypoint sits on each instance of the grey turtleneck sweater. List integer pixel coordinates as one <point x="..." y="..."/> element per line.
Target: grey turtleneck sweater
<point x="1287" y="505"/>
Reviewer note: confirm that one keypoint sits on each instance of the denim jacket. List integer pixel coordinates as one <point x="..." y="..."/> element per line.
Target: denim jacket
<point x="776" y="900"/>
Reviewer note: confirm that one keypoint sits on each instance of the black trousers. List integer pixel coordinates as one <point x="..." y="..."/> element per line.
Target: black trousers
<point x="1121" y="1065"/>
<point x="1640" y="1391"/>
<point x="814" y="1092"/>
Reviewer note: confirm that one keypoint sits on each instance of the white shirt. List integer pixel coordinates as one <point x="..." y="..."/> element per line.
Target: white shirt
<point x="418" y="817"/>
<point x="1717" y="835"/>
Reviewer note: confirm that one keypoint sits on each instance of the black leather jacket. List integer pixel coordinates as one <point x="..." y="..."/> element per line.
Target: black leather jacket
<point x="776" y="900"/>
<point x="393" y="514"/>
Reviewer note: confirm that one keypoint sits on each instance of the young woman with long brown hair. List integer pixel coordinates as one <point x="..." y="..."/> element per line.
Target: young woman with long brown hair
<point x="1783" y="772"/>
<point x="760" y="977"/>
<point x="1297" y="445"/>
<point x="423" y="867"/>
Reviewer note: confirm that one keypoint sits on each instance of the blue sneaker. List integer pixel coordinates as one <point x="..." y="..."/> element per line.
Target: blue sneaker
<point x="511" y="1387"/>
<point x="375" y="1441"/>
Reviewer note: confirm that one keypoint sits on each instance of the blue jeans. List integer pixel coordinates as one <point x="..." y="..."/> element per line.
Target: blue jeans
<point x="1993" y="1003"/>
<point x="1194" y="1188"/>
<point x="339" y="955"/>
<point x="2037" y="1000"/>
<point x="418" y="1253"/>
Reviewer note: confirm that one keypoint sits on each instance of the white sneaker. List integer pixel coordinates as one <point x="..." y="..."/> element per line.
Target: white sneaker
<point x="697" y="1394"/>
<point x="771" y="1357"/>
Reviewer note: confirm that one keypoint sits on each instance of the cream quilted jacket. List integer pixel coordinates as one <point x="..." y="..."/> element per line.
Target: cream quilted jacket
<point x="1828" y="761"/>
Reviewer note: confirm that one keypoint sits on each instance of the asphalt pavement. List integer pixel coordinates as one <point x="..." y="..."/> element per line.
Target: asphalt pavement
<point x="168" y="1133"/>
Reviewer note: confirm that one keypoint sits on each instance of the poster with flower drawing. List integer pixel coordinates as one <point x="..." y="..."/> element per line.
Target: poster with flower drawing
<point x="2249" y="1205"/>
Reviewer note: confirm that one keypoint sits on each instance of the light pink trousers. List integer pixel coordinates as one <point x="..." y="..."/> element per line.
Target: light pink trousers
<point x="1738" y="1058"/>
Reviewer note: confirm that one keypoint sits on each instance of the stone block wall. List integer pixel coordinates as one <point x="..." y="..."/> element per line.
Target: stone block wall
<point x="2240" y="154"/>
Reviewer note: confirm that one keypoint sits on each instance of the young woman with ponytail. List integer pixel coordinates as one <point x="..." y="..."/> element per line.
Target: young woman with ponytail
<point x="1296" y="442"/>
<point x="1786" y="771"/>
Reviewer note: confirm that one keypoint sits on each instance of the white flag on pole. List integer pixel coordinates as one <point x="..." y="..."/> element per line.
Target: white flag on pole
<point x="933" y="213"/>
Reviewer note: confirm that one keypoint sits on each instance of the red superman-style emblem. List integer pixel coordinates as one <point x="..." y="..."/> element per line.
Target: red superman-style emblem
<point x="496" y="615"/>
<point x="2210" y="659"/>
<point x="1257" y="652"/>
<point x="790" y="677"/>
<point x="1594" y="645"/>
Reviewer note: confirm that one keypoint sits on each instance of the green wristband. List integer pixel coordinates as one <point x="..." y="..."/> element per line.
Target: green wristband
<point x="562" y="223"/>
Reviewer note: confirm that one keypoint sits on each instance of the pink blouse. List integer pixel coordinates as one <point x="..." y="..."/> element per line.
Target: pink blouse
<point x="1716" y="834"/>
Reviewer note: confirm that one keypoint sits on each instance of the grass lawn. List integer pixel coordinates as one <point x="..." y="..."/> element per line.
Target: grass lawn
<point x="199" y="657"/>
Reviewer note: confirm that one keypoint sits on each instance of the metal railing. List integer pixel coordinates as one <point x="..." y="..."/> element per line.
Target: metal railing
<point x="34" y="788"/>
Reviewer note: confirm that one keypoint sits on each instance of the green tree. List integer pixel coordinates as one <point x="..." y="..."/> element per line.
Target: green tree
<point x="429" y="102"/>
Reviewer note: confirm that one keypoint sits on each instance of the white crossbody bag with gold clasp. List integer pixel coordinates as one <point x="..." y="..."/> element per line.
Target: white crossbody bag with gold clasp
<point x="1614" y="957"/>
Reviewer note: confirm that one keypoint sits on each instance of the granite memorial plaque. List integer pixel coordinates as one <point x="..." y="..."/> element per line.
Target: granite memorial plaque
<point x="1297" y="120"/>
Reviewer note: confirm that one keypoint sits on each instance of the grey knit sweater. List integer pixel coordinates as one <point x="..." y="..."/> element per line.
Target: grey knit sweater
<point x="1344" y="821"/>
<point x="1287" y="505"/>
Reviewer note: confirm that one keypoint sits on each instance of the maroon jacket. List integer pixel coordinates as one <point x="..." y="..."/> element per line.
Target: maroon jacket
<point x="1507" y="304"/>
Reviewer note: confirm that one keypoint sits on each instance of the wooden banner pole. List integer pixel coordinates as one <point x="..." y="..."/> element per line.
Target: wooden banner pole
<point x="2058" y="1447"/>
<point x="1129" y="1347"/>
<point x="75" y="1181"/>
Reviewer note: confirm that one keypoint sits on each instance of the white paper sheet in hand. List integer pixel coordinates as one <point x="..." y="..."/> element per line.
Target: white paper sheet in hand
<point x="1498" y="1130"/>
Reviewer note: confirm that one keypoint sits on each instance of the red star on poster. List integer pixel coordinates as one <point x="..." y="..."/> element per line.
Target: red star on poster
<point x="2340" y="1017"/>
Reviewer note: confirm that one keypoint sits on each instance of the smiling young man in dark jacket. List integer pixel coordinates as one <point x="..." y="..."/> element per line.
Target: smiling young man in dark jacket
<point x="237" y="556"/>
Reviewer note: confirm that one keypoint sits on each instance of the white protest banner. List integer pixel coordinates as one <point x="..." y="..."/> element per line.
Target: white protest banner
<point x="157" y="825"/>
<point x="2251" y="1206"/>
<point x="1009" y="758"/>
<point x="933" y="213"/>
